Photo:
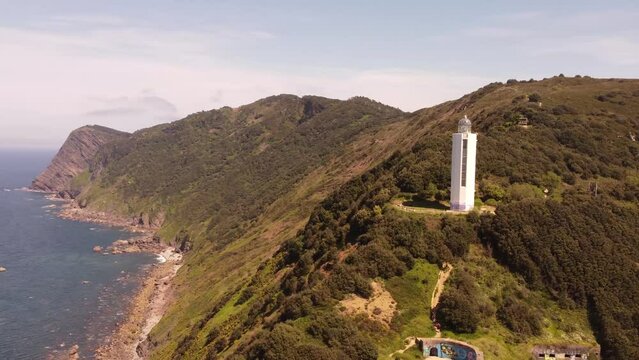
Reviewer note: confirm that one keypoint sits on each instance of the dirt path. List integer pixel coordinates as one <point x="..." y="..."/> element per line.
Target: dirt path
<point x="437" y="292"/>
<point x="410" y="341"/>
<point x="443" y="275"/>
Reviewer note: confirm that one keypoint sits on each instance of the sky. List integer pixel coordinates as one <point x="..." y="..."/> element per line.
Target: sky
<point x="136" y="63"/>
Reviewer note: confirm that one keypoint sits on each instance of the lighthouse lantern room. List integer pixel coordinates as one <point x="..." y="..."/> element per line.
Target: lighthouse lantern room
<point x="462" y="186"/>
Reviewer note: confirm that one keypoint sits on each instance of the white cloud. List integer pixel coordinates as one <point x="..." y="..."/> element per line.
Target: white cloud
<point x="613" y="50"/>
<point x="605" y="40"/>
<point x="497" y="32"/>
<point x="145" y="106"/>
<point x="72" y="21"/>
<point x="53" y="82"/>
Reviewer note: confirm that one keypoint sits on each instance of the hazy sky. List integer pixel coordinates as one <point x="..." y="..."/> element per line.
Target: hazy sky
<point x="131" y="64"/>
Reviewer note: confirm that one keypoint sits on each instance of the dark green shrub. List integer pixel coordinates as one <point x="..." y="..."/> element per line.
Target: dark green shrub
<point x="295" y="307"/>
<point x="534" y="97"/>
<point x="457" y="312"/>
<point x="518" y="317"/>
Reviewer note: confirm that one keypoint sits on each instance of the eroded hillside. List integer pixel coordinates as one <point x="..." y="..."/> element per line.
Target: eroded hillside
<point x="287" y="207"/>
<point x="73" y="159"/>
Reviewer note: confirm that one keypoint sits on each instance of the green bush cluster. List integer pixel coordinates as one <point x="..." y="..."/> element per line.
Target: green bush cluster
<point x="458" y="309"/>
<point x="516" y="315"/>
<point x="583" y="250"/>
<point x="223" y="168"/>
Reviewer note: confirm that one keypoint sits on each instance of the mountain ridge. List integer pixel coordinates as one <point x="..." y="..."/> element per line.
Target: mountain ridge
<point x="286" y="215"/>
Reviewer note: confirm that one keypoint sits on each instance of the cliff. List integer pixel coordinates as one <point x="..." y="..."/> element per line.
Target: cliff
<point x="73" y="158"/>
<point x="293" y="208"/>
<point x="244" y="301"/>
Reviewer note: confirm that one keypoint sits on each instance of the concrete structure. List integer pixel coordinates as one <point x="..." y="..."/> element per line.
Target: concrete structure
<point x="438" y="348"/>
<point x="462" y="174"/>
<point x="566" y="351"/>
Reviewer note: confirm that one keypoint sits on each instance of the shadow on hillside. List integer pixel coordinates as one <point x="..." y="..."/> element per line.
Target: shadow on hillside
<point x="426" y="204"/>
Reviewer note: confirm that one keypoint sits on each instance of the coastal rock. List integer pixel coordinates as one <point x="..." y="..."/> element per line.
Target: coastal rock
<point x="97" y="249"/>
<point x="120" y="243"/>
<point x="2" y="269"/>
<point x="73" y="158"/>
<point x="142" y="350"/>
<point x="68" y="194"/>
<point x="131" y="249"/>
<point x="74" y="352"/>
<point x="183" y="239"/>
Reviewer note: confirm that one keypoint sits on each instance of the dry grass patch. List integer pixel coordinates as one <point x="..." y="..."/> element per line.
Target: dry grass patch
<point x="380" y="307"/>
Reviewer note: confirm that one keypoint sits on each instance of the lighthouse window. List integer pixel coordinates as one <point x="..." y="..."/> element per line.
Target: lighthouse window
<point x="464" y="156"/>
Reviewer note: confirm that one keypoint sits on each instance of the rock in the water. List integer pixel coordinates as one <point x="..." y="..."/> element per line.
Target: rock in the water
<point x="97" y="249"/>
<point x="74" y="352"/>
<point x="121" y="243"/>
<point x="131" y="249"/>
<point x="2" y="269"/>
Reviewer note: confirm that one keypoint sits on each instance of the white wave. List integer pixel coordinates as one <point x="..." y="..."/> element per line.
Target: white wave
<point x="160" y="258"/>
<point x="7" y="190"/>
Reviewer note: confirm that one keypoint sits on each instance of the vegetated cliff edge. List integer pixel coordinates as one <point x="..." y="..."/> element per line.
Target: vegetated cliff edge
<point x="235" y="184"/>
<point x="73" y="158"/>
<point x="532" y="136"/>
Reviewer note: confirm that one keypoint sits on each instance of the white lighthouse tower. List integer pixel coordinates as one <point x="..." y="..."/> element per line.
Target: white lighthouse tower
<point x="462" y="174"/>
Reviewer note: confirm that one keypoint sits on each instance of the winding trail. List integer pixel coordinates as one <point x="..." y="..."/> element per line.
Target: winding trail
<point x="443" y="275"/>
<point x="409" y="342"/>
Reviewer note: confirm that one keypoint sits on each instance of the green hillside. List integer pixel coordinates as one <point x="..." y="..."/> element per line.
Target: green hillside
<point x="287" y="203"/>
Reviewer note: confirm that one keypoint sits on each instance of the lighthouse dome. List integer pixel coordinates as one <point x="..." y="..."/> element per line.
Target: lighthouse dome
<point x="464" y="125"/>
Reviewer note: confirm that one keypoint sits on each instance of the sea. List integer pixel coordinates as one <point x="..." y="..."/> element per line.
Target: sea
<point x="56" y="292"/>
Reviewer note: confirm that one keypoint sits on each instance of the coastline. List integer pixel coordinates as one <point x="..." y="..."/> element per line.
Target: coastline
<point x="145" y="310"/>
<point x="149" y="302"/>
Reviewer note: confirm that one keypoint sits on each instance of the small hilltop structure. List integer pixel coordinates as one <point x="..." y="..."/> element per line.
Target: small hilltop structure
<point x="462" y="179"/>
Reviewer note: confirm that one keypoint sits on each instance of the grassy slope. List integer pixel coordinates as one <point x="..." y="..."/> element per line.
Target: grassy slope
<point x="560" y="325"/>
<point x="579" y="93"/>
<point x="412" y="291"/>
<point x="211" y="271"/>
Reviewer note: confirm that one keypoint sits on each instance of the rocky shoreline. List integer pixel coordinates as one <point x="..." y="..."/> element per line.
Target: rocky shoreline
<point x="150" y="301"/>
<point x="145" y="311"/>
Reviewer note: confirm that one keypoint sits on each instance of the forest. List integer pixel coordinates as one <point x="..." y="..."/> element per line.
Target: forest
<point x="549" y="227"/>
<point x="564" y="184"/>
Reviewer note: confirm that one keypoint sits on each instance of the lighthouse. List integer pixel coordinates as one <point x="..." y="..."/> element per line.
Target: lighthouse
<point x="462" y="174"/>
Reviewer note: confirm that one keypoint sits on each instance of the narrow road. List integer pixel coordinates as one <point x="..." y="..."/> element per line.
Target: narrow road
<point x="437" y="292"/>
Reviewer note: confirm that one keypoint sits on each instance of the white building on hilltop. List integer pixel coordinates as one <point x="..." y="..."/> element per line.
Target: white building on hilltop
<point x="462" y="174"/>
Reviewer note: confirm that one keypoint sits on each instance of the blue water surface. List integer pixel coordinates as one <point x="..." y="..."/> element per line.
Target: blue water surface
<point x="56" y="291"/>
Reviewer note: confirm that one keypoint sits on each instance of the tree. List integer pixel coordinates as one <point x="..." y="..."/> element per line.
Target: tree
<point x="457" y="312"/>
<point x="534" y="97"/>
<point x="518" y="192"/>
<point x="518" y="317"/>
<point x="491" y="190"/>
<point x="551" y="181"/>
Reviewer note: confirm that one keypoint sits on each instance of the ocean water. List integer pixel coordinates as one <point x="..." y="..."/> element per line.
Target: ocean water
<point x="56" y="291"/>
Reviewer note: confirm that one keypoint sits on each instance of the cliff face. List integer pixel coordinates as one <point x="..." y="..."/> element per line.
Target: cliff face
<point x="238" y="185"/>
<point x="73" y="158"/>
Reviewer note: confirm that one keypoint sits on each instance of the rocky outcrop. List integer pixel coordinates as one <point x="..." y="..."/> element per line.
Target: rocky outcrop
<point x="73" y="158"/>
